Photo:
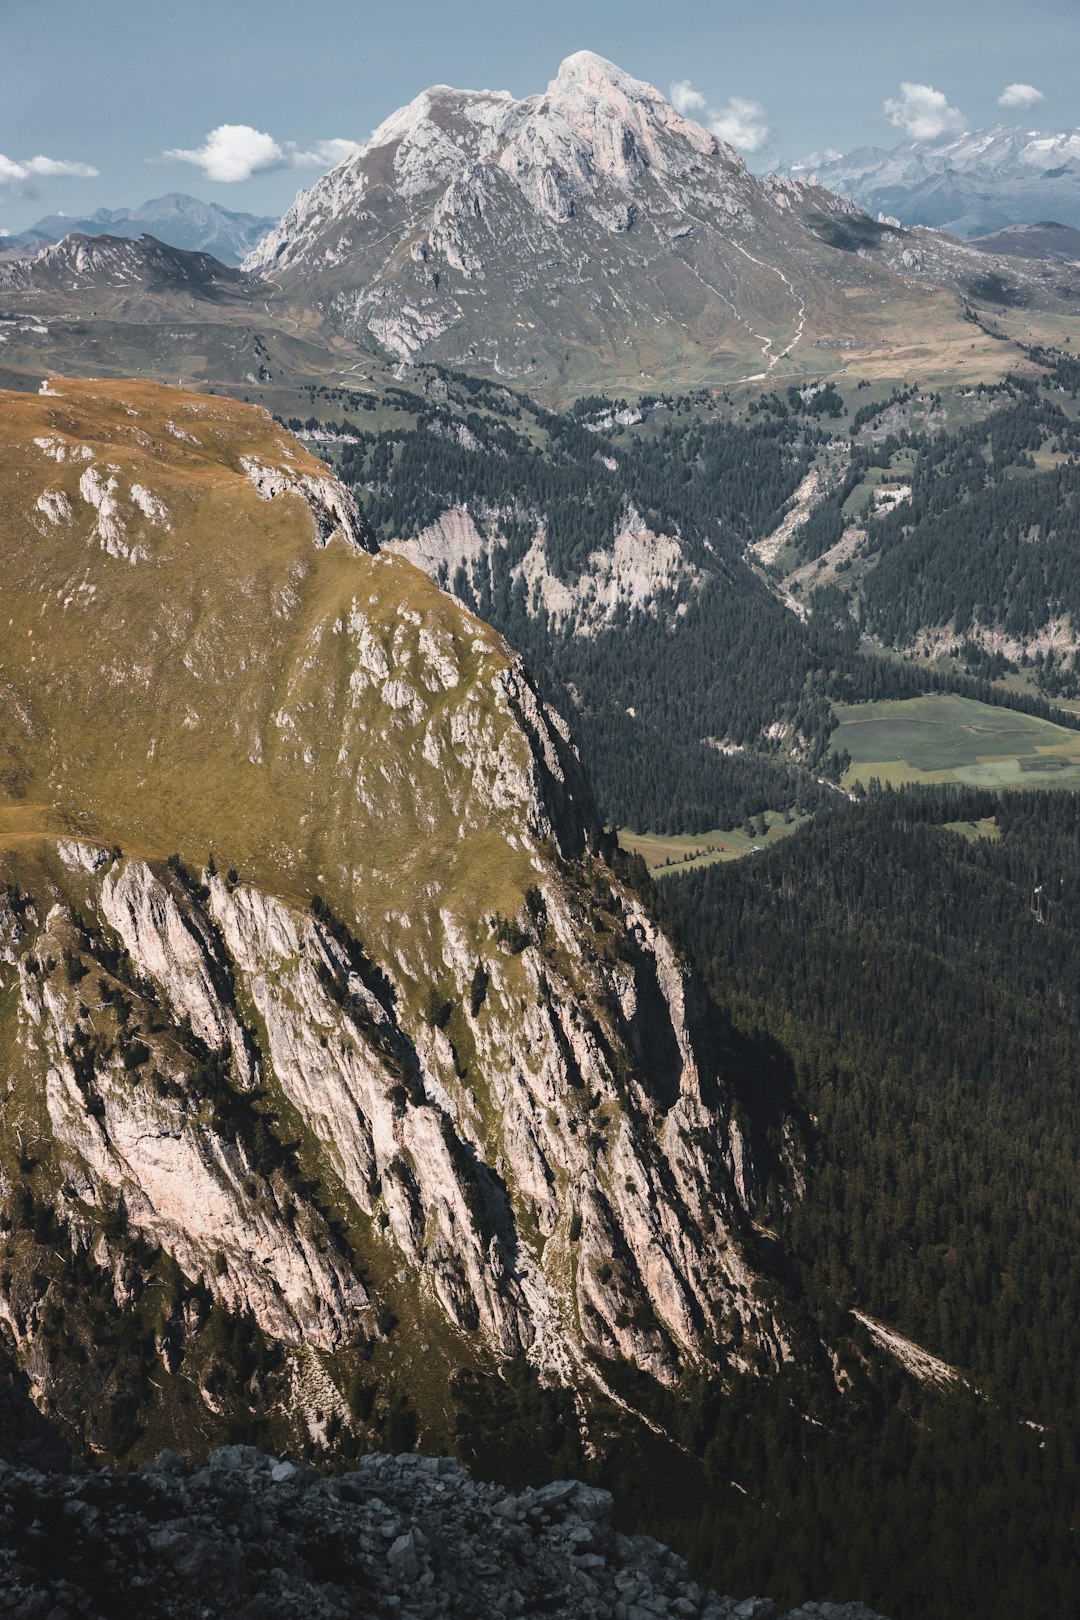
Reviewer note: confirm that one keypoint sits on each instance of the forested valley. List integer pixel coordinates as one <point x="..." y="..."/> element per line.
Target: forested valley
<point x="986" y="545"/>
<point x="715" y="701"/>
<point x="897" y="977"/>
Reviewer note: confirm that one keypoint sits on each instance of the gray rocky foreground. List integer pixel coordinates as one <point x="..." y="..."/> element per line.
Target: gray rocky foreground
<point x="252" y="1538"/>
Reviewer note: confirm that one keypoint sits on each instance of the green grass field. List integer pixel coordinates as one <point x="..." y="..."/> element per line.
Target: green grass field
<point x="973" y="831"/>
<point x="945" y="738"/>
<point x="664" y="853"/>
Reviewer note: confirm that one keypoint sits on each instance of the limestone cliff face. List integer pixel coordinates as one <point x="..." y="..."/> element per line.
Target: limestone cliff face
<point x="640" y="573"/>
<point x="554" y="1159"/>
<point x="421" y="1050"/>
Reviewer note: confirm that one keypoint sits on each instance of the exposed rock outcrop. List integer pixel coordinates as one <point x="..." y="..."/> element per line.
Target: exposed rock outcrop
<point x="641" y="573"/>
<point x="410" y="1536"/>
<point x="580" y="1167"/>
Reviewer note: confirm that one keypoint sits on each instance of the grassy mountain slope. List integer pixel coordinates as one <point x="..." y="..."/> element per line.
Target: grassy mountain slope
<point x="417" y="1086"/>
<point x="217" y="711"/>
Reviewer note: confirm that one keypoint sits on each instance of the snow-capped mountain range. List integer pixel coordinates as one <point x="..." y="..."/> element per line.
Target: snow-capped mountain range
<point x="969" y="184"/>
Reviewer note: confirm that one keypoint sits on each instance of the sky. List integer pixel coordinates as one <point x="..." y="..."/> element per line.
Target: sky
<point x="242" y="102"/>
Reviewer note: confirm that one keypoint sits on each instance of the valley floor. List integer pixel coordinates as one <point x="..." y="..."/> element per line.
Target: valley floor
<point x="942" y="737"/>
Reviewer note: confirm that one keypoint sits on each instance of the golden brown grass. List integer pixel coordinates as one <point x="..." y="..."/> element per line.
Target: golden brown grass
<point x="199" y="700"/>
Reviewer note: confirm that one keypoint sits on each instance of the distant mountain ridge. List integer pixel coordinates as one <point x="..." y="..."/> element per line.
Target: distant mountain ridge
<point x="971" y="184"/>
<point x="1045" y="239"/>
<point x="176" y="219"/>
<point x="131" y="270"/>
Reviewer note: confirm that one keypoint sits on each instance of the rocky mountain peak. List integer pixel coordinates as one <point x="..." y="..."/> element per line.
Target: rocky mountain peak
<point x="602" y="124"/>
<point x="595" y="129"/>
<point x="590" y="93"/>
<point x="589" y="68"/>
<point x="484" y="192"/>
<point x="82" y="260"/>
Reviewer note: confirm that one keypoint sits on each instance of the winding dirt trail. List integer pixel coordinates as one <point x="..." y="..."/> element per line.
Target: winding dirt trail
<point x="771" y="360"/>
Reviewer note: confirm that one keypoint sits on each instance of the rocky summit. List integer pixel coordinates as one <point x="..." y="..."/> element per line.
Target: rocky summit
<point x="251" y="1538"/>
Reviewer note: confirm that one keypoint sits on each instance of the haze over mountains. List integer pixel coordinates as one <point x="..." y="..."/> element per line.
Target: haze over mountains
<point x="969" y="184"/>
<point x="175" y="219"/>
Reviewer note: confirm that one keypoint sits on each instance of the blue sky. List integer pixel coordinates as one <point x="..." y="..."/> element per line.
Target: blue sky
<point x="111" y="85"/>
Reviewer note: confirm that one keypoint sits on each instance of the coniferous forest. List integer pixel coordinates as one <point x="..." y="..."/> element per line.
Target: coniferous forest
<point x="897" y="978"/>
<point x="913" y="958"/>
<point x="718" y="658"/>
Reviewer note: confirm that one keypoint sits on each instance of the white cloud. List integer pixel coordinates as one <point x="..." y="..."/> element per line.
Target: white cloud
<point x="324" y="154"/>
<point x="233" y="152"/>
<point x="1020" y="95"/>
<point x="14" y="173"/>
<point x="741" y="123"/>
<point x="685" y="99"/>
<point x="923" y="112"/>
<point x="237" y="151"/>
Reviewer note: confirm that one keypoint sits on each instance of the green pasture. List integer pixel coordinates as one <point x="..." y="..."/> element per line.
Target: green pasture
<point x="664" y="853"/>
<point x="973" y="831"/>
<point x="946" y="738"/>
